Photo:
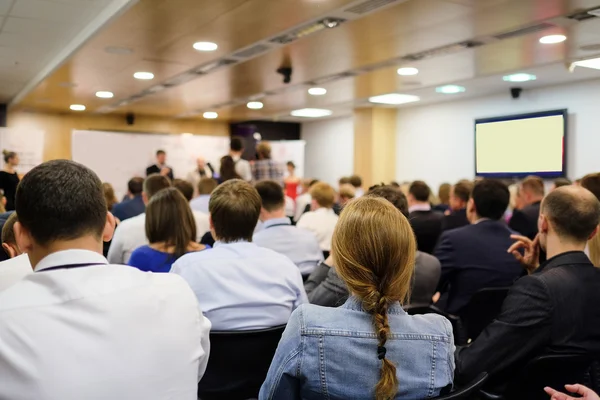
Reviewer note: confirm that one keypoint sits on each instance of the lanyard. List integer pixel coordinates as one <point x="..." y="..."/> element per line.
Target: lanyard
<point x="69" y="266"/>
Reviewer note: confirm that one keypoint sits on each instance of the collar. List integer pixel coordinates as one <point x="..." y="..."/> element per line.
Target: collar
<point x="237" y="242"/>
<point x="70" y="257"/>
<point x="276" y="221"/>
<point x="481" y="220"/>
<point x="354" y="303"/>
<point x="324" y="210"/>
<point x="419" y="207"/>
<point x="567" y="258"/>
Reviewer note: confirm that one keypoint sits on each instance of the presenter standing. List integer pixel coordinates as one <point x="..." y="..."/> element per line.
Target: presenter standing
<point x="161" y="166"/>
<point x="9" y="179"/>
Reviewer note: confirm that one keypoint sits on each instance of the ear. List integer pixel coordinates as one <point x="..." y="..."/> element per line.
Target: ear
<point x="212" y="227"/>
<point x="145" y="198"/>
<point x="471" y="206"/>
<point x="593" y="233"/>
<point x="23" y="238"/>
<point x="12" y="252"/>
<point x="263" y="214"/>
<point x="544" y="225"/>
<point x="109" y="227"/>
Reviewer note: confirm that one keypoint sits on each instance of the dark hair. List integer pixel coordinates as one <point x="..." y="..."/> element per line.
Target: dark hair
<point x="533" y="184"/>
<point x="419" y="190"/>
<point x="169" y="219"/>
<point x="154" y="183"/>
<point x="136" y="185"/>
<point x="392" y="194"/>
<point x="234" y="208"/>
<point x="355" y="181"/>
<point x="109" y="195"/>
<point x="573" y="212"/>
<point x="462" y="190"/>
<point x="559" y="182"/>
<point x="61" y="200"/>
<point x="8" y="155"/>
<point x="160" y="152"/>
<point x="271" y="195"/>
<point x="8" y="234"/>
<point x="395" y="184"/>
<point x="227" y="170"/>
<point x="291" y="164"/>
<point x="186" y="188"/>
<point x="236" y="143"/>
<point x="491" y="198"/>
<point x="344" y="180"/>
<point x="207" y="185"/>
<point x="592" y="183"/>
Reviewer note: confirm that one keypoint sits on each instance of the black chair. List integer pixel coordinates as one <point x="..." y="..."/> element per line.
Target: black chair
<point x="238" y="363"/>
<point x="483" y="308"/>
<point x="417" y="309"/>
<point x="467" y="391"/>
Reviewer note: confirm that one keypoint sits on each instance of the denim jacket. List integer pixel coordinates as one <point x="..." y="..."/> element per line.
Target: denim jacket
<point x="331" y="353"/>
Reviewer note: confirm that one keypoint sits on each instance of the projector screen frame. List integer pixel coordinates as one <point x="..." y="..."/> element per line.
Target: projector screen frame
<point x="545" y="175"/>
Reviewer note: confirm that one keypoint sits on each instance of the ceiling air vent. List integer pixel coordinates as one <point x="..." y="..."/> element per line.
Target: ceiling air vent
<point x="251" y="51"/>
<point x="524" y="31"/>
<point x="369" y="6"/>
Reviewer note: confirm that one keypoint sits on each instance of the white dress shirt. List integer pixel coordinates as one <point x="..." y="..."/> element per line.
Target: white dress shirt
<point x="13" y="270"/>
<point x="96" y="331"/>
<point x="420" y="207"/>
<point x="321" y="222"/>
<point x="202" y="224"/>
<point x="290" y="207"/>
<point x="200" y="203"/>
<point x="194" y="177"/>
<point x="242" y="286"/>
<point x="301" y="202"/>
<point x="299" y="245"/>
<point x="242" y="167"/>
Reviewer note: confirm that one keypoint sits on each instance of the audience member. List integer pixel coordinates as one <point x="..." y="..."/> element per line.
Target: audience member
<point x="236" y="150"/>
<point x="278" y="234"/>
<point x="167" y="240"/>
<point x="134" y="205"/>
<point x="346" y="194"/>
<point x="585" y="392"/>
<point x="524" y="220"/>
<point x="202" y="170"/>
<point x="202" y="223"/>
<point x="345" y="180"/>
<point x="240" y="285"/>
<point x="17" y="266"/>
<point x="321" y="220"/>
<point x="265" y="167"/>
<point x="77" y="328"/>
<point x="553" y="310"/>
<point x="592" y="183"/>
<point x="109" y="196"/>
<point x="357" y="182"/>
<point x="291" y="181"/>
<point x="205" y="187"/>
<point x="325" y="288"/>
<point x="559" y="182"/>
<point x="131" y="233"/>
<point x="408" y="357"/>
<point x="444" y="198"/>
<point x="474" y="257"/>
<point x="228" y="169"/>
<point x="160" y="167"/>
<point x="9" y="179"/>
<point x="459" y="197"/>
<point x="303" y="200"/>
<point x="426" y="223"/>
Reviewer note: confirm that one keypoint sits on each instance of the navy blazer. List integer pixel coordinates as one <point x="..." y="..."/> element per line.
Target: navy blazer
<point x="474" y="257"/>
<point x="129" y="208"/>
<point x="525" y="220"/>
<point x="427" y="226"/>
<point x="456" y="219"/>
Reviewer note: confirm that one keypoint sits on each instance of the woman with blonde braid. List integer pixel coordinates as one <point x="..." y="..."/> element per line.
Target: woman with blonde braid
<point x="369" y="348"/>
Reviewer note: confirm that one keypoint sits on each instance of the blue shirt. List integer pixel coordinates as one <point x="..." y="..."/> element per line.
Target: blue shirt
<point x="200" y="203"/>
<point x="332" y="353"/>
<point x="300" y="245"/>
<point x="241" y="286"/>
<point x="129" y="208"/>
<point x="146" y="258"/>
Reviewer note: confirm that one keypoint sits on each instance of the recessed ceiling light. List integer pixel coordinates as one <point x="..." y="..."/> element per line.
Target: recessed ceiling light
<point x="205" y="46"/>
<point x="105" y="95"/>
<point x="551" y="39"/>
<point x="394" y="98"/>
<point x="210" y="115"/>
<point x="311" y="113"/>
<point x="407" y="71"/>
<point x="520" y="77"/>
<point x="77" y="107"/>
<point x="143" y="75"/>
<point x="255" y="105"/>
<point x="593" y="63"/>
<point x="450" y="89"/>
<point x="317" y="91"/>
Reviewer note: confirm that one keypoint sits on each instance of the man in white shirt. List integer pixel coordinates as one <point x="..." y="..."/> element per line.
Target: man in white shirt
<point x="17" y="266"/>
<point x="304" y="199"/>
<point x="322" y="220"/>
<point x="242" y="167"/>
<point x="240" y="285"/>
<point x="131" y="234"/>
<point x="205" y="187"/>
<point x="201" y="171"/>
<point x="79" y="328"/>
<point x="187" y="190"/>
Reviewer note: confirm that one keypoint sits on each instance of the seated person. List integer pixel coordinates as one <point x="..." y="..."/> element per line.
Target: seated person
<point x="459" y="197"/>
<point x="134" y="205"/>
<point x="17" y="266"/>
<point x="474" y="257"/>
<point x="205" y="188"/>
<point x="303" y="200"/>
<point x="131" y="234"/>
<point x="322" y="219"/>
<point x="559" y="182"/>
<point x="356" y="182"/>
<point x="325" y="288"/>
<point x="278" y="234"/>
<point x="369" y="347"/>
<point x="554" y="308"/>
<point x="524" y="219"/>
<point x="240" y="285"/>
<point x="201" y="219"/>
<point x="79" y="328"/>
<point x="168" y="240"/>
<point x="444" y="198"/>
<point x="587" y="393"/>
<point x="426" y="223"/>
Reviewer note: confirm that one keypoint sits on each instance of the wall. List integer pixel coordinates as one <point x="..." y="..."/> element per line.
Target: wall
<point x="58" y="127"/>
<point x="436" y="143"/>
<point x="329" y="149"/>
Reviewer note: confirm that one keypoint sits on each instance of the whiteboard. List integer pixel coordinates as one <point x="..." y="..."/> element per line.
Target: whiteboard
<point x="27" y="143"/>
<point x="289" y="150"/>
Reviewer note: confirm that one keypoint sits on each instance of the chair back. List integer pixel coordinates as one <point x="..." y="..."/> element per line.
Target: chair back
<point x="238" y="363"/>
<point x="484" y="307"/>
<point x="419" y="309"/>
<point x="467" y="391"/>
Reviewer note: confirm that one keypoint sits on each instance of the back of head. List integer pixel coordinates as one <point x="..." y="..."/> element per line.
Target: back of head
<point x="8" y="235"/>
<point x="136" y="186"/>
<point x="264" y="150"/>
<point x="154" y="184"/>
<point x="356" y="181"/>
<point x="344" y="181"/>
<point x="462" y="190"/>
<point x="186" y="188"/>
<point x="8" y="155"/>
<point x="227" y="170"/>
<point x="420" y="191"/>
<point x="206" y="186"/>
<point x="592" y="183"/>
<point x="491" y="198"/>
<point x="559" y="182"/>
<point x="323" y="194"/>
<point x="533" y="185"/>
<point x="234" y="209"/>
<point x="61" y="200"/>
<point x="271" y="195"/>
<point x="236" y="144"/>
<point x="444" y="193"/>
<point x="347" y="191"/>
<point x="373" y="249"/>
<point x="393" y="195"/>
<point x="109" y="195"/>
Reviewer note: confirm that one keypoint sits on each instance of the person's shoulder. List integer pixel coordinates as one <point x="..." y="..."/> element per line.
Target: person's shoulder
<point x="426" y="259"/>
<point x="430" y="324"/>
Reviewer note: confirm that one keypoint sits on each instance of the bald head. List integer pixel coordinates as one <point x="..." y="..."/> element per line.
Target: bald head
<point x="573" y="212"/>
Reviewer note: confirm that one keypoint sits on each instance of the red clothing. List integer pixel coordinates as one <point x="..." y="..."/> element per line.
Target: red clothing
<point x="291" y="189"/>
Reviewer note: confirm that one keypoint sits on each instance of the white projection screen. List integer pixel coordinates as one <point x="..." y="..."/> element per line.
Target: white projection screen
<point x="519" y="145"/>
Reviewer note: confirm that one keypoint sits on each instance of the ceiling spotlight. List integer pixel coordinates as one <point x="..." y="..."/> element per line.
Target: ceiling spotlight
<point x="551" y="39"/>
<point x="77" y="107"/>
<point x="331" y="22"/>
<point x="205" y="46"/>
<point x="407" y="71"/>
<point x="105" y="95"/>
<point x="311" y="113"/>
<point x="317" y="91"/>
<point x="143" y="75"/>
<point x="450" y="89"/>
<point x="257" y="136"/>
<point x="394" y="99"/>
<point x="520" y="77"/>
<point x="210" y="115"/>
<point x="255" y="105"/>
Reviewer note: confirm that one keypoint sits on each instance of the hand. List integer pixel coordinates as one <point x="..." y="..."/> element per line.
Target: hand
<point x="436" y="297"/>
<point x="530" y="259"/>
<point x="165" y="171"/>
<point x="587" y="393"/>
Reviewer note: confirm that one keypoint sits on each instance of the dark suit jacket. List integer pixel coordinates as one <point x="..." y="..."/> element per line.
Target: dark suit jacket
<point x="427" y="226"/>
<point x="154" y="169"/>
<point x="525" y="220"/>
<point x="325" y="288"/>
<point x="554" y="310"/>
<point x="474" y="257"/>
<point x="129" y="208"/>
<point x="456" y="219"/>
